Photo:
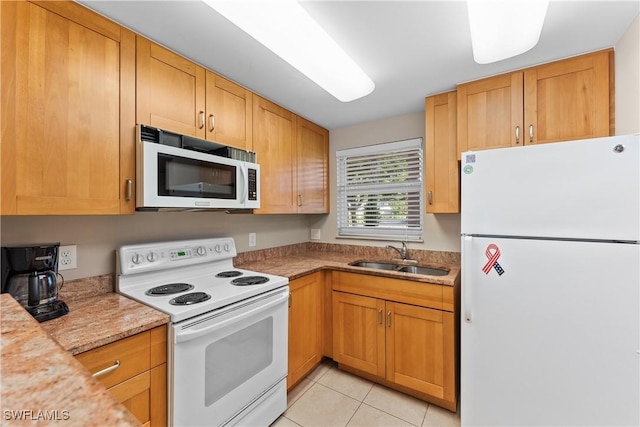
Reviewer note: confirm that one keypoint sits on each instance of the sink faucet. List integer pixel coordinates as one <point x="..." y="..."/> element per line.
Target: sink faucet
<point x="403" y="252"/>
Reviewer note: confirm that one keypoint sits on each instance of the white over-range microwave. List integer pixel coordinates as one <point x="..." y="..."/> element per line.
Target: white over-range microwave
<point x="179" y="172"/>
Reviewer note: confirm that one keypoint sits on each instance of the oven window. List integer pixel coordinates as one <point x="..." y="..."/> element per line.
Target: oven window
<point x="184" y="177"/>
<point x="236" y="358"/>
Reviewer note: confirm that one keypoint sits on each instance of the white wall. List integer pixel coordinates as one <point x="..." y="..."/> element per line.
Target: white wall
<point x="441" y="231"/>
<point x="627" y="58"/>
<point x="97" y="237"/>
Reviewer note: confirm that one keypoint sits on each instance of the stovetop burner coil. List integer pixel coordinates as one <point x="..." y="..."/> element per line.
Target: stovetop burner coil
<point x="249" y="280"/>
<point x="229" y="274"/>
<point x="191" y="298"/>
<point x="169" y="289"/>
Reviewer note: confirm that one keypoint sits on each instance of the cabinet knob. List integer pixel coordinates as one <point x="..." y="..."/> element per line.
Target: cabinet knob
<point x="212" y="122"/>
<point x="430" y="197"/>
<point x="517" y="134"/>
<point x="389" y="318"/>
<point x="380" y="316"/>
<point x="200" y="119"/>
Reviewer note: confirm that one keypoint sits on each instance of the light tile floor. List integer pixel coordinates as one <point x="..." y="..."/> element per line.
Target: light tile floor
<point x="329" y="397"/>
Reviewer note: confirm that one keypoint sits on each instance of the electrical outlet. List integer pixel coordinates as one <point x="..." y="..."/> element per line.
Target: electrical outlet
<point x="67" y="257"/>
<point x="315" y="234"/>
<point x="252" y="239"/>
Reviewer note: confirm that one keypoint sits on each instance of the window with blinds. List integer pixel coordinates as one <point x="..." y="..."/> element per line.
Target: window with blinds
<point x="380" y="191"/>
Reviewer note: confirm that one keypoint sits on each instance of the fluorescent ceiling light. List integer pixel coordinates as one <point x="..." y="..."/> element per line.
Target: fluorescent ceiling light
<point x="502" y="29"/>
<point x="288" y="30"/>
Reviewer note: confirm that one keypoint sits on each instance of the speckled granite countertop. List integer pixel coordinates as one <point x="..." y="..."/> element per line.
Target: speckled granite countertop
<point x="298" y="260"/>
<point x="103" y="319"/>
<point x="43" y="384"/>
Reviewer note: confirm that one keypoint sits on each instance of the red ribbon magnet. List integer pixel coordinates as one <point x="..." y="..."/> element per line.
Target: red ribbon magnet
<point x="493" y="254"/>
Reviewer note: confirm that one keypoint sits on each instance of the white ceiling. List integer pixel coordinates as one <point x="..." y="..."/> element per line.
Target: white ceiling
<point x="409" y="48"/>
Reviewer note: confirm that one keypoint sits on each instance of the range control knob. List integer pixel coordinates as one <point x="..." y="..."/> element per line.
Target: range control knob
<point x="201" y="251"/>
<point x="152" y="256"/>
<point x="137" y="258"/>
<point x="218" y="249"/>
<point x="227" y="248"/>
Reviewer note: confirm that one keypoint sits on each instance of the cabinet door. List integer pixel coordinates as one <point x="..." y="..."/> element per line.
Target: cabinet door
<point x="442" y="171"/>
<point x="67" y="118"/>
<point x="420" y="349"/>
<point x="312" y="167"/>
<point x="170" y="90"/>
<point x="229" y="113"/>
<point x="490" y="113"/>
<point x="274" y="143"/>
<point x="305" y="326"/>
<point x="358" y="332"/>
<point x="140" y="380"/>
<point x="568" y="99"/>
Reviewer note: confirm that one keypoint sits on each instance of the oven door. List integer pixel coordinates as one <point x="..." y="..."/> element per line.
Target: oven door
<point x="225" y="361"/>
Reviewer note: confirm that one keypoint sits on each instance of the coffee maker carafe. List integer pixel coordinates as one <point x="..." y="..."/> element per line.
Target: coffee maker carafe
<point x="29" y="274"/>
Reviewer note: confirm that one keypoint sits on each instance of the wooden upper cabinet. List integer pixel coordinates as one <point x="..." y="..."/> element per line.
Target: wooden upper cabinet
<point x="68" y="116"/>
<point x="442" y="177"/>
<point x="180" y="96"/>
<point x="312" y="165"/>
<point x="490" y="113"/>
<point x="170" y="90"/>
<point x="293" y="154"/>
<point x="229" y="112"/>
<point x="568" y="99"/>
<point x="274" y="130"/>
<point x="560" y="101"/>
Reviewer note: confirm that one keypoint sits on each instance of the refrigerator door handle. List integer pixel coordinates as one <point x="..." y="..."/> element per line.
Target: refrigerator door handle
<point x="466" y="278"/>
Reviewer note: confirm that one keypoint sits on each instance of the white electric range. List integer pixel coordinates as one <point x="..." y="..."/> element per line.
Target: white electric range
<point x="227" y="340"/>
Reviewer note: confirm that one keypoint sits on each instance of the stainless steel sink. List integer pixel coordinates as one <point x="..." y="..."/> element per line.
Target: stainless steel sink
<point x="376" y="265"/>
<point x="414" y="269"/>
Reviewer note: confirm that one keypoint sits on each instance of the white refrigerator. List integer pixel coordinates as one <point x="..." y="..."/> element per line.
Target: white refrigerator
<point x="550" y="300"/>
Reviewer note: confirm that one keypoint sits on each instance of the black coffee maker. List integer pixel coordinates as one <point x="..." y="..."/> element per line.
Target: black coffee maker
<point x="30" y="275"/>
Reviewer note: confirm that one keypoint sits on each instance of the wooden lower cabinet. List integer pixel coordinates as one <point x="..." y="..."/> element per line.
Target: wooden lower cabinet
<point x="403" y="346"/>
<point x="420" y="349"/>
<point x="358" y="332"/>
<point x="134" y="370"/>
<point x="305" y="326"/>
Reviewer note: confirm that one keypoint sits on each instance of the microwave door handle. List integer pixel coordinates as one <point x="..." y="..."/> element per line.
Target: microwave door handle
<point x="245" y="184"/>
<point x="260" y="307"/>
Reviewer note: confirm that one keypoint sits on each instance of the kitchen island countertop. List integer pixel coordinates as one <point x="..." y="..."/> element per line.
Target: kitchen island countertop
<point x="100" y="320"/>
<point x="44" y="384"/>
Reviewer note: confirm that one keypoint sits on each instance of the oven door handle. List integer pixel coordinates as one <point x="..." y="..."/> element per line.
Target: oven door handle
<point x="258" y="307"/>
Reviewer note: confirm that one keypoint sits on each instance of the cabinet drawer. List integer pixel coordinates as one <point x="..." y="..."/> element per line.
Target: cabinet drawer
<point x="132" y="354"/>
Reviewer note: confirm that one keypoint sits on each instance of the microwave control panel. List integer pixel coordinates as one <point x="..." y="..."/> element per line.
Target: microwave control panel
<point x="252" y="184"/>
